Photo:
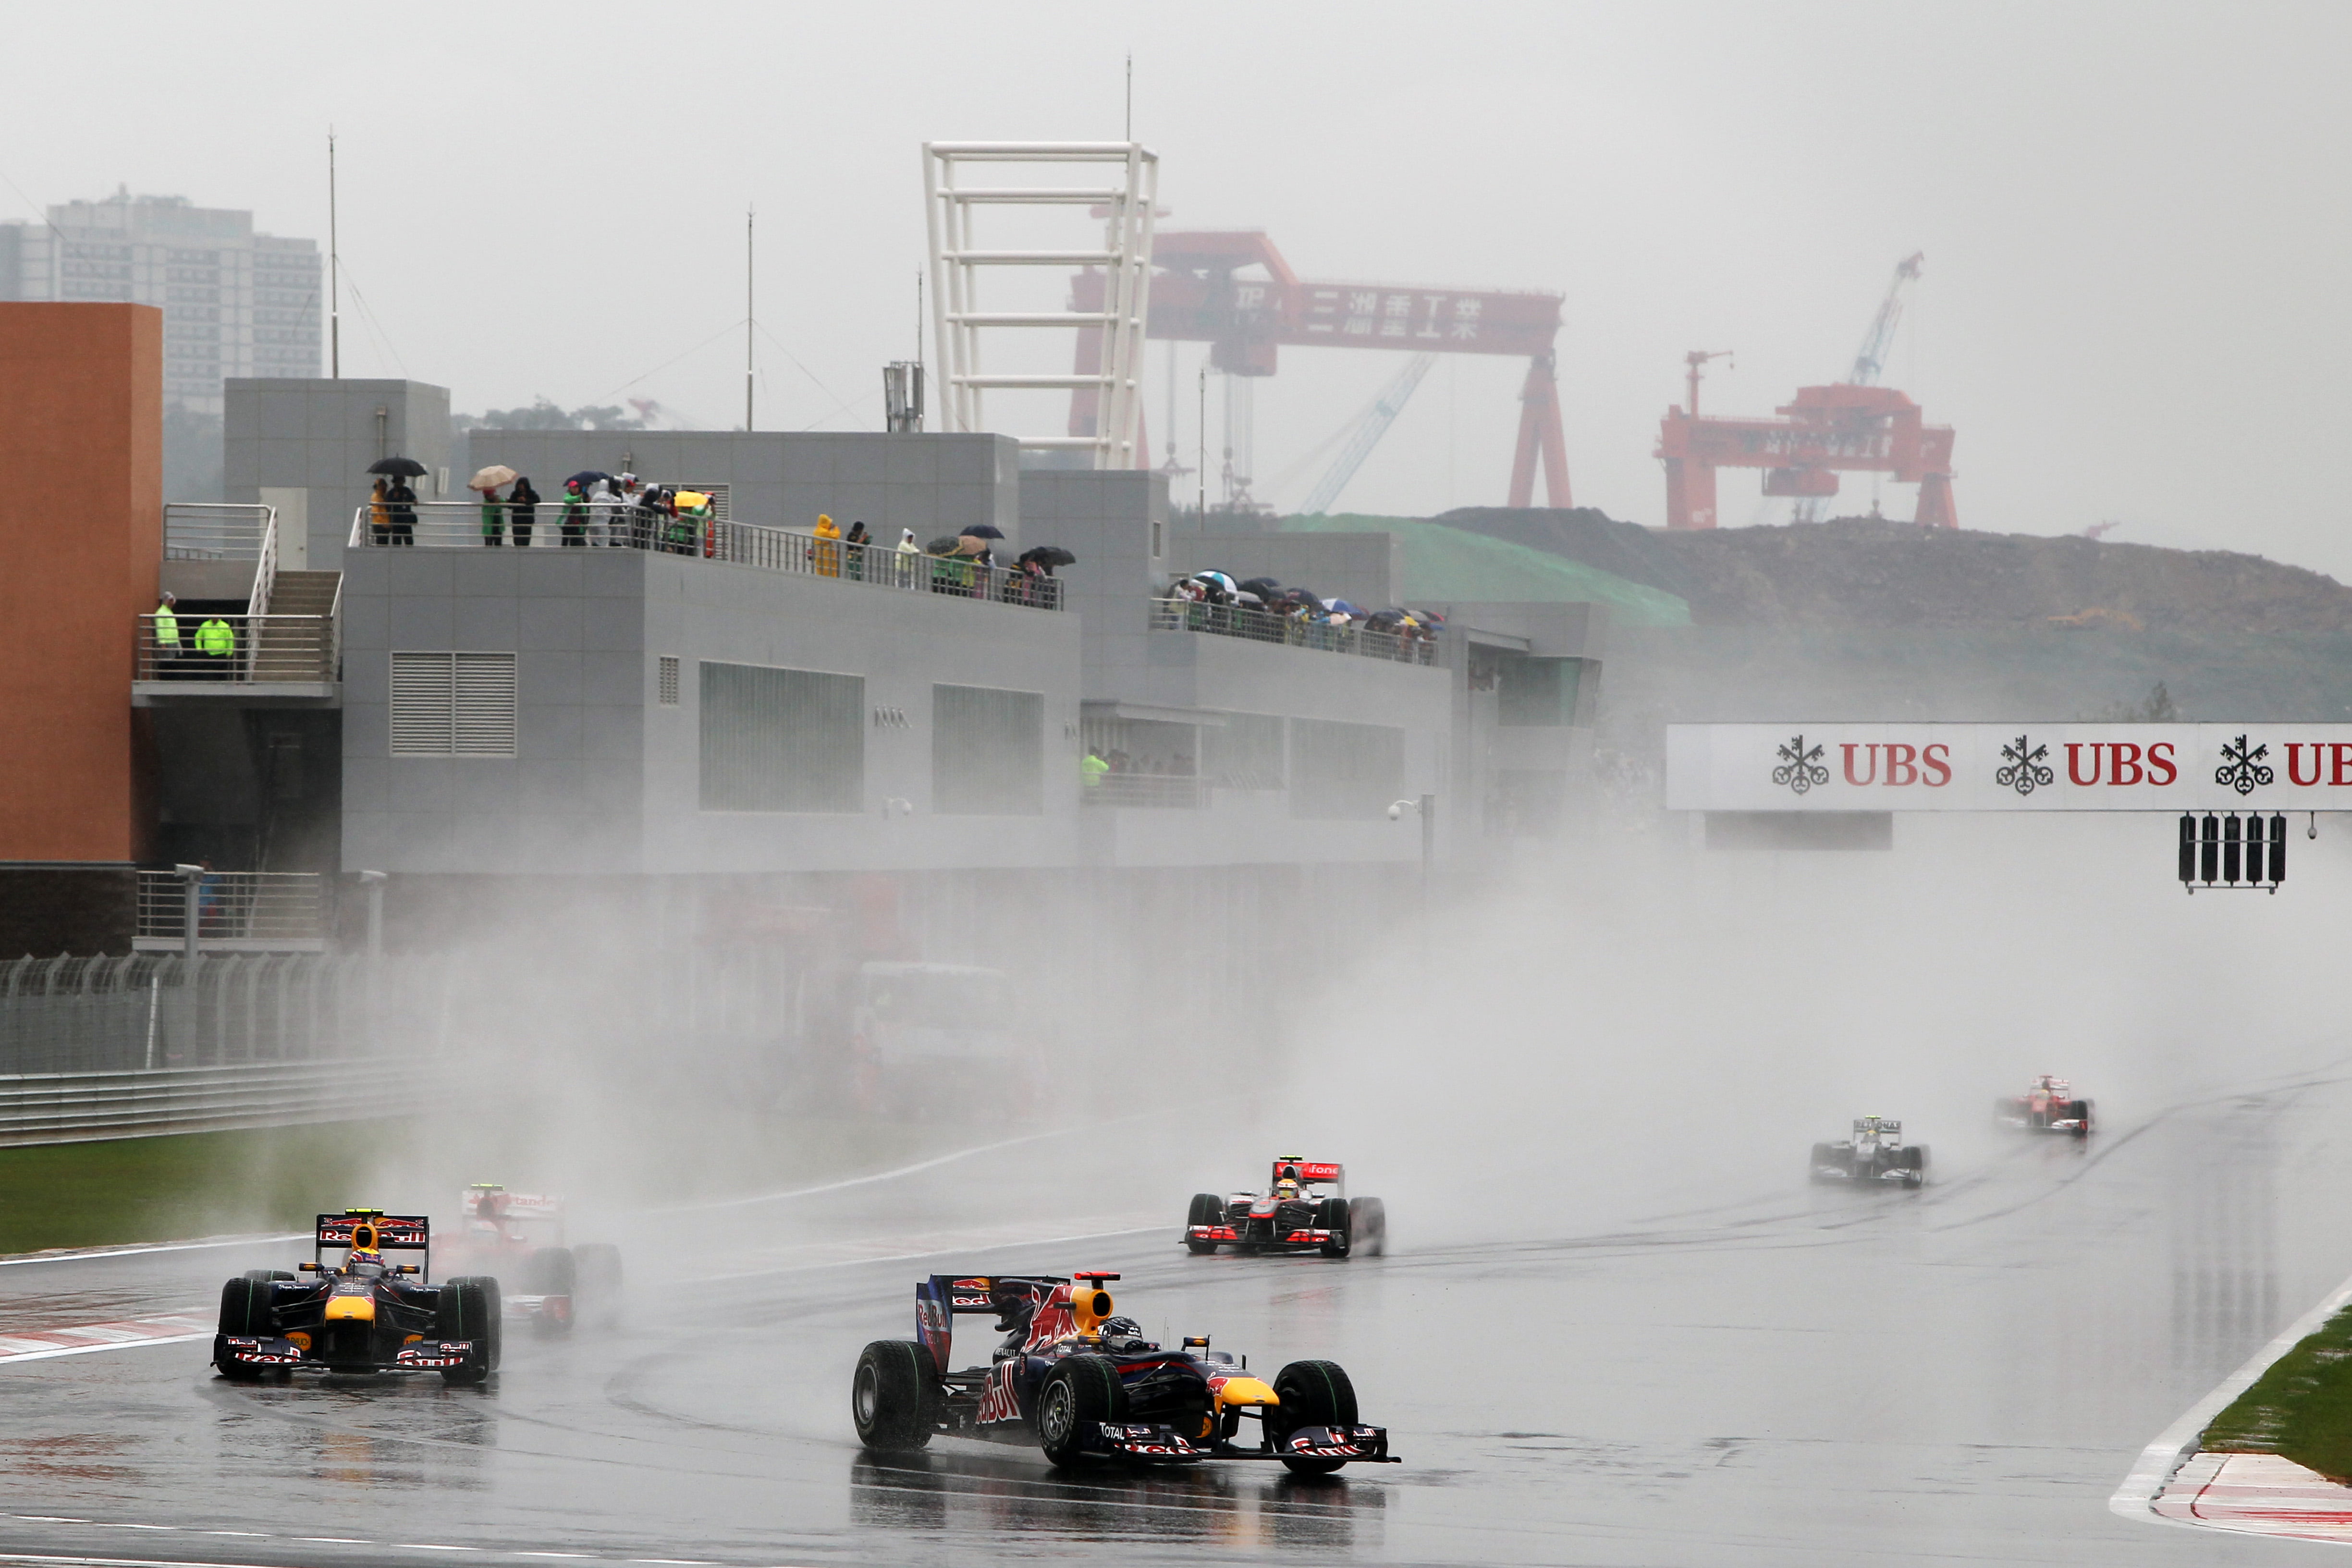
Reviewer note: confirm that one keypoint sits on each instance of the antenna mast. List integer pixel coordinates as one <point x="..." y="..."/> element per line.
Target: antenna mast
<point x="334" y="271"/>
<point x="748" y="320"/>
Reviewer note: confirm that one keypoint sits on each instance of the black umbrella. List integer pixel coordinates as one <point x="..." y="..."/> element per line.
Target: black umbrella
<point x="1264" y="587"/>
<point x="983" y="530"/>
<point x="1048" y="555"/>
<point x="587" y="477"/>
<point x="402" y="468"/>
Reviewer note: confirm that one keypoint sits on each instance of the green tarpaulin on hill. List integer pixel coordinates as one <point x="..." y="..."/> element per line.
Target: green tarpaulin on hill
<point x="1440" y="564"/>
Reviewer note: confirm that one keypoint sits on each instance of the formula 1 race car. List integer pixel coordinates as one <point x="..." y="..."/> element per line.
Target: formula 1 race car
<point x="1875" y="1152"/>
<point x="1290" y="1216"/>
<point x="1081" y="1384"/>
<point x="517" y="1239"/>
<point x="361" y="1314"/>
<point x="2050" y="1106"/>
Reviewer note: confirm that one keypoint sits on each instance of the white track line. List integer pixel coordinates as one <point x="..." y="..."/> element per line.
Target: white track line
<point x="85" y="1255"/>
<point x="2135" y="1498"/>
<point x="46" y="1344"/>
<point x="932" y="1163"/>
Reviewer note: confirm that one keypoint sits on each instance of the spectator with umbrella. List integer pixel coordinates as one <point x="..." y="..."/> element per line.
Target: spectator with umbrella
<point x="487" y="481"/>
<point x="400" y="501"/>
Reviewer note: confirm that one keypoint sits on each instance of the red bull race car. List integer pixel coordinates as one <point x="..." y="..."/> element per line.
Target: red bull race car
<point x="361" y="1313"/>
<point x="1082" y="1383"/>
<point x="518" y="1238"/>
<point x="1291" y="1215"/>
<point x="2050" y="1106"/>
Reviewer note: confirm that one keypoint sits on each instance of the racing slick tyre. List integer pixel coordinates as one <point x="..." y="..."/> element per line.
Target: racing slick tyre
<point x="244" y="1312"/>
<point x="1081" y="1391"/>
<point x="1314" y="1393"/>
<point x="1207" y="1209"/>
<point x="893" y="1397"/>
<point x="469" y="1308"/>
<point x="1368" y="1224"/>
<point x="1331" y="1215"/>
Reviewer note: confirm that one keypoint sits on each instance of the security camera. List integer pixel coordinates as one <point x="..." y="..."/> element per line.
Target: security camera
<point x="1395" y="811"/>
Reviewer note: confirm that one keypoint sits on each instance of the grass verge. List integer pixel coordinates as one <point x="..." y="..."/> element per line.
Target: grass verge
<point x="2301" y="1409"/>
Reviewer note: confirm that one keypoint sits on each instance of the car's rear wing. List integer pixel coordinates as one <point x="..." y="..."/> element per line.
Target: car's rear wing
<point x="510" y="1206"/>
<point x="1291" y="1167"/>
<point x="393" y="1232"/>
<point x="943" y="1298"/>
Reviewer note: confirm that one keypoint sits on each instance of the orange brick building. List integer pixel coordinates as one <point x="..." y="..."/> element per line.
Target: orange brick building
<point x="80" y="550"/>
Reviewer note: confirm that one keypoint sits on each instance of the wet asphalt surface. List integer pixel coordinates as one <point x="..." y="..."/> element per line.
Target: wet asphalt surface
<point x="1783" y="1376"/>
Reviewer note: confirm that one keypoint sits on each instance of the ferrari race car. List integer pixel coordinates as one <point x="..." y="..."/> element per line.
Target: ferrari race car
<point x="517" y="1239"/>
<point x="2050" y="1106"/>
<point x="362" y="1314"/>
<point x="1290" y="1216"/>
<point x="1083" y="1384"/>
<point x="1875" y="1152"/>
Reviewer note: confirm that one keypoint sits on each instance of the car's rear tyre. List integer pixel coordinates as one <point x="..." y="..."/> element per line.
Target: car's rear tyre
<point x="893" y="1396"/>
<point x="469" y="1308"/>
<point x="1314" y="1393"/>
<point x="549" y="1271"/>
<point x="1331" y="1215"/>
<point x="1083" y="1389"/>
<point x="1207" y="1208"/>
<point x="1368" y="1224"/>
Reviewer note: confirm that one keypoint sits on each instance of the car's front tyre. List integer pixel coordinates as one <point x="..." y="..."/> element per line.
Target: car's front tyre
<point x="1083" y="1391"/>
<point x="1314" y="1393"/>
<point x="1207" y="1208"/>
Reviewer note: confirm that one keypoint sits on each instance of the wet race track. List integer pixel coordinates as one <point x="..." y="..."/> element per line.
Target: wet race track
<point x="1791" y="1376"/>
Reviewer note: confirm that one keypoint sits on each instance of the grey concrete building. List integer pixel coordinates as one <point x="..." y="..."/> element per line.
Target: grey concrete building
<point x="236" y="303"/>
<point x="304" y="447"/>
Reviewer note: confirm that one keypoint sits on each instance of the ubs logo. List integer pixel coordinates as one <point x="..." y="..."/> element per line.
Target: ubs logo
<point x="1799" y="769"/>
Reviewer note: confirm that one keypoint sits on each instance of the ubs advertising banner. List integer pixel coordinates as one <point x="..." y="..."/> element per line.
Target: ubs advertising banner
<point x="2009" y="767"/>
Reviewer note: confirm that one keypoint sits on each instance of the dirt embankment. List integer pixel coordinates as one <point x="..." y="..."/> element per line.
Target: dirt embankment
<point x="1868" y="573"/>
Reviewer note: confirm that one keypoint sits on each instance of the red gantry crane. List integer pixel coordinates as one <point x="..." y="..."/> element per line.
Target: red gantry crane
<point x="1855" y="426"/>
<point x="1197" y="296"/>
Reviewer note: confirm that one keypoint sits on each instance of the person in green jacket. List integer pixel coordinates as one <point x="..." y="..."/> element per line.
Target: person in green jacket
<point x="494" y="517"/>
<point x="216" y="645"/>
<point x="167" y="636"/>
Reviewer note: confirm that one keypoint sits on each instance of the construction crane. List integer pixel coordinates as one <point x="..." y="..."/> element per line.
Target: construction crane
<point x="1369" y="428"/>
<point x="1196" y="296"/>
<point x="1871" y="358"/>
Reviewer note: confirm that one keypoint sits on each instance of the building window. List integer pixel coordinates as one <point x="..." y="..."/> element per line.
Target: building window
<point x="669" y="680"/>
<point x="1244" y="753"/>
<point x="781" y="740"/>
<point x="452" y="705"/>
<point x="1344" y="770"/>
<point x="1537" y="692"/>
<point x="988" y="751"/>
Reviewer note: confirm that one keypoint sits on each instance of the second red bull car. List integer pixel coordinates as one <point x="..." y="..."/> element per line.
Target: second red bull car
<point x="1082" y="1383"/>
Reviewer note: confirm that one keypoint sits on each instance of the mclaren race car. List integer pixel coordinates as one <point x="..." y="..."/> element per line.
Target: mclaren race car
<point x="1083" y="1384"/>
<point x="1291" y="1215"/>
<point x="361" y="1313"/>
<point x="518" y="1238"/>
<point x="1876" y="1154"/>
<point x="2050" y="1106"/>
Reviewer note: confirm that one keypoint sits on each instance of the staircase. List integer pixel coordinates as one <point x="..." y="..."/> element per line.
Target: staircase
<point x="296" y="640"/>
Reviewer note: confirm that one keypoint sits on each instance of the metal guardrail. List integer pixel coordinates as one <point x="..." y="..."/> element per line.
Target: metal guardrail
<point x="78" y="1107"/>
<point x="1149" y="790"/>
<point x="205" y="531"/>
<point x="458" y="525"/>
<point x="1291" y="631"/>
<point x="279" y="911"/>
<point x="243" y="650"/>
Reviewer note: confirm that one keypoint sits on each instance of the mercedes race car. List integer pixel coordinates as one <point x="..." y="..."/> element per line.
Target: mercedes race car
<point x="518" y="1238"/>
<point x="361" y="1313"/>
<point x="1084" y="1385"/>
<point x="1291" y="1214"/>
<point x="2050" y="1106"/>
<point x="1875" y="1152"/>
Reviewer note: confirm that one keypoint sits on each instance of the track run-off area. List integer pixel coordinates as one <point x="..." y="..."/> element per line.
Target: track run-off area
<point x="1773" y="1375"/>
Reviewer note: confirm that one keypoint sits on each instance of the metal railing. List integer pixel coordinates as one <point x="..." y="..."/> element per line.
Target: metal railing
<point x="1292" y="631"/>
<point x="458" y="525"/>
<point x="205" y="530"/>
<point x="1149" y="790"/>
<point x="80" y="1107"/>
<point x="251" y="910"/>
<point x="241" y="649"/>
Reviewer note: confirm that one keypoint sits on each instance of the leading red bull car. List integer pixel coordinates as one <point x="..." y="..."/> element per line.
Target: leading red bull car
<point x="1293" y="1214"/>
<point x="360" y="1312"/>
<point x="1082" y="1383"/>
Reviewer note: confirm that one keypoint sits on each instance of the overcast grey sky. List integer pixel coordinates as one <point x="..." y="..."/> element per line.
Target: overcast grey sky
<point x="2134" y="214"/>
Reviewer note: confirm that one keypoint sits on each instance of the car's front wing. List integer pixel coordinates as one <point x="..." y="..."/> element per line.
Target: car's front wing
<point x="424" y="1355"/>
<point x="1299" y="1236"/>
<point x="1159" y="1442"/>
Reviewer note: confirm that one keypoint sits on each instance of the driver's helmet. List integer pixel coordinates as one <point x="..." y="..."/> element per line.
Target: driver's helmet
<point x="1123" y="1334"/>
<point x="1288" y="1191"/>
<point x="366" y="1263"/>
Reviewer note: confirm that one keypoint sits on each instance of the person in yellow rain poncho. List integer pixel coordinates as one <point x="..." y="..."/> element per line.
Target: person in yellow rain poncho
<point x="691" y="524"/>
<point x="826" y="554"/>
